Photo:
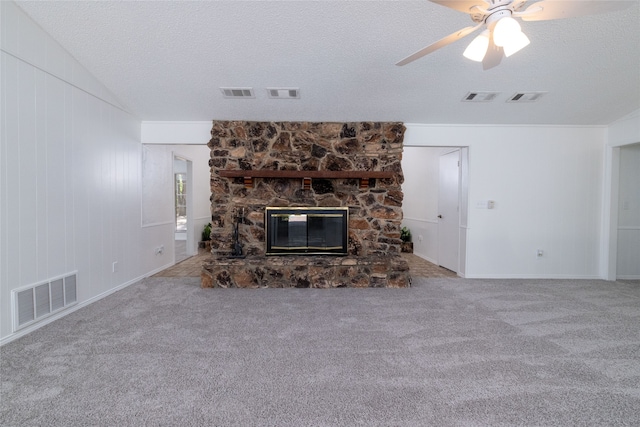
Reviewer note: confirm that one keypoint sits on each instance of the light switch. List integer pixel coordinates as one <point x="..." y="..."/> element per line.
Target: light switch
<point x="485" y="204"/>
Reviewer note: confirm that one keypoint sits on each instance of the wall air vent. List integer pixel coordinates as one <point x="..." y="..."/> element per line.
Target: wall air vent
<point x="283" y="92"/>
<point x="36" y="302"/>
<point x="237" y="92"/>
<point x="525" y="96"/>
<point x="480" y="96"/>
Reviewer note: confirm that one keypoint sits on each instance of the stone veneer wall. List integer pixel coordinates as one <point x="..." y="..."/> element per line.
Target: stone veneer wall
<point x="375" y="213"/>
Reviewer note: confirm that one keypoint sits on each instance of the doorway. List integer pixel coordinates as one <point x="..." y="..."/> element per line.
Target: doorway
<point x="423" y="199"/>
<point x="183" y="215"/>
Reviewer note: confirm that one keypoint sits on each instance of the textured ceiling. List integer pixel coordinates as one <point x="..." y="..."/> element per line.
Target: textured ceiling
<point x="167" y="61"/>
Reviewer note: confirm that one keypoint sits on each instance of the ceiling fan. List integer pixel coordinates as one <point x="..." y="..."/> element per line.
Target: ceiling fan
<point x="502" y="35"/>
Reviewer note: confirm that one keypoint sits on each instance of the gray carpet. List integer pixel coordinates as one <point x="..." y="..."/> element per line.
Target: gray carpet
<point x="446" y="352"/>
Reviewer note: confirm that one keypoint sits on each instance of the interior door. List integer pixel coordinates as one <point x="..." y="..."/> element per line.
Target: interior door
<point x="449" y="210"/>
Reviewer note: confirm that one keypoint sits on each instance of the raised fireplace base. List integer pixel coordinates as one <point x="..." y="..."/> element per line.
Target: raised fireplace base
<point x="306" y="272"/>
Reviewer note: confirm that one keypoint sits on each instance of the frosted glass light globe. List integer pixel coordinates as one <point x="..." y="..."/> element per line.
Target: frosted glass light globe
<point x="477" y="49"/>
<point x="516" y="43"/>
<point x="505" y="29"/>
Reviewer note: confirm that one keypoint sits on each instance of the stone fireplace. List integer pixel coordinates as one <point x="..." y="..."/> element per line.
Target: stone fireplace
<point x="261" y="168"/>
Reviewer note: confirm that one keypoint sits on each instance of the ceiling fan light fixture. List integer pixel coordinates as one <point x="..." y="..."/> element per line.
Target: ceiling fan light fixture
<point x="516" y="43"/>
<point x="506" y="37"/>
<point x="506" y="28"/>
<point x="477" y="49"/>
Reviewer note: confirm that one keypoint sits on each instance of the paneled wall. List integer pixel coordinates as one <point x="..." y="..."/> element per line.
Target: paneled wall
<point x="70" y="185"/>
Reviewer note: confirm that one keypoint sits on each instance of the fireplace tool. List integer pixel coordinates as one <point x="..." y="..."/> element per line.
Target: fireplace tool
<point x="236" y="252"/>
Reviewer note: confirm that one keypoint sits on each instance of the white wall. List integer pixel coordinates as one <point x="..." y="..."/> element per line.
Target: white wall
<point x="70" y="183"/>
<point x="547" y="185"/>
<point x="190" y="133"/>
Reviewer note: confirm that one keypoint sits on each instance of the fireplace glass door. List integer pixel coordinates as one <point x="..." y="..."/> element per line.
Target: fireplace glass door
<point x="306" y="231"/>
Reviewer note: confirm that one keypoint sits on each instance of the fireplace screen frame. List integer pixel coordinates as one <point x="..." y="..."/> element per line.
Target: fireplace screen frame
<point x="272" y="248"/>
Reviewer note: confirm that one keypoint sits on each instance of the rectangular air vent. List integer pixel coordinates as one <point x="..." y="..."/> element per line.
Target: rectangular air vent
<point x="525" y="96"/>
<point x="237" y="92"/>
<point x="36" y="302"/>
<point x="283" y="92"/>
<point x="480" y="96"/>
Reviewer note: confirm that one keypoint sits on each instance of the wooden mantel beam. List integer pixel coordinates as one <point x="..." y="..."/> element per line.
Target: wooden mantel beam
<point x="306" y="176"/>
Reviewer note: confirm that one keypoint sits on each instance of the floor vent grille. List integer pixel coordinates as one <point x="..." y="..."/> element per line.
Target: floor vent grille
<point x="39" y="301"/>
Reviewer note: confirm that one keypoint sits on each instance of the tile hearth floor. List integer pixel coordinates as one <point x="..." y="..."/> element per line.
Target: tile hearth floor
<point x="191" y="267"/>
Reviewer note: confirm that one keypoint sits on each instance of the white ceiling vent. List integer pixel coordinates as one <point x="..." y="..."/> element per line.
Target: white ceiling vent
<point x="525" y="96"/>
<point x="237" y="92"/>
<point x="283" y="92"/>
<point x="480" y="96"/>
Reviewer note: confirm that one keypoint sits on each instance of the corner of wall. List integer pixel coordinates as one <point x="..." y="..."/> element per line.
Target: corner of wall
<point x="625" y="130"/>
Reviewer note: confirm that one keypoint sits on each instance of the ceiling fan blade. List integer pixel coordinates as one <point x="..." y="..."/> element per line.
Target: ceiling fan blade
<point x="559" y="9"/>
<point x="494" y="55"/>
<point x="462" y="5"/>
<point x="437" y="45"/>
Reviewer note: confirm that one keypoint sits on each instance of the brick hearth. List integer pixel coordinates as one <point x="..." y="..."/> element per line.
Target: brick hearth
<point x="299" y="271"/>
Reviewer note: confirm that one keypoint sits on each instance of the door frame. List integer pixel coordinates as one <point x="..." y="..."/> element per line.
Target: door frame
<point x="464" y="184"/>
<point x="191" y="248"/>
<point x="611" y="212"/>
<point x="609" y="251"/>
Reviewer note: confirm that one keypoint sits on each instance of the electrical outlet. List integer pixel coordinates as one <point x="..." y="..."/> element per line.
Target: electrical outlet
<point x="114" y="267"/>
<point x="540" y="253"/>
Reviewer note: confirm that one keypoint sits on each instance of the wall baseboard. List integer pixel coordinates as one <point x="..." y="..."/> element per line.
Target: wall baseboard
<point x="533" y="276"/>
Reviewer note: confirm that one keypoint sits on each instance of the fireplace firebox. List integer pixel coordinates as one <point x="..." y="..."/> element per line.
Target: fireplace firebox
<point x="306" y="231"/>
